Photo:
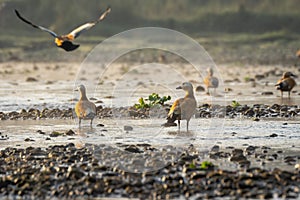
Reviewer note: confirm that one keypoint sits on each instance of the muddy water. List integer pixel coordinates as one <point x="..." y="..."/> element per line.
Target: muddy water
<point x="124" y="89"/>
<point x="203" y="134"/>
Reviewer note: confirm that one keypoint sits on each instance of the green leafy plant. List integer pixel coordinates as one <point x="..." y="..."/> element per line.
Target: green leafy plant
<point x="192" y="165"/>
<point x="247" y="78"/>
<point x="206" y="165"/>
<point x="235" y="104"/>
<point x="153" y="99"/>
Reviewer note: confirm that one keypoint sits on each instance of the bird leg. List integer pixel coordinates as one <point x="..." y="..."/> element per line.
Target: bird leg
<point x="79" y="122"/>
<point x="207" y="92"/>
<point x="178" y="125"/>
<point x="91" y="123"/>
<point x="187" y="125"/>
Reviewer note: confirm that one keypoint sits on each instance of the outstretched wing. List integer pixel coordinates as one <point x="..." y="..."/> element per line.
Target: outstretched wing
<point x="76" y="32"/>
<point x="35" y="26"/>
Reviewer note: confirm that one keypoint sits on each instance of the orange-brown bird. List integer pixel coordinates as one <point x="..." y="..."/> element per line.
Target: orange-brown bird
<point x="210" y="81"/>
<point x="286" y="83"/>
<point x="65" y="41"/>
<point x="298" y="53"/>
<point x="84" y="109"/>
<point x="183" y="108"/>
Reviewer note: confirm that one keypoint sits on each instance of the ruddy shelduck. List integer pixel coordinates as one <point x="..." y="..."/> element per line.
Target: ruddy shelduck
<point x="183" y="108"/>
<point x="210" y="81"/>
<point x="84" y="108"/>
<point x="65" y="41"/>
<point x="286" y="83"/>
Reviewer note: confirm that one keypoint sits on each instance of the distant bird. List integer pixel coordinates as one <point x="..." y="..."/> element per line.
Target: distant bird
<point x="84" y="109"/>
<point x="210" y="81"/>
<point x="183" y="108"/>
<point x="298" y="53"/>
<point x="286" y="83"/>
<point x="65" y="41"/>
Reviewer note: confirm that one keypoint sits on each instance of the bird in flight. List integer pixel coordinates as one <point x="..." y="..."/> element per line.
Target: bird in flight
<point x="65" y="41"/>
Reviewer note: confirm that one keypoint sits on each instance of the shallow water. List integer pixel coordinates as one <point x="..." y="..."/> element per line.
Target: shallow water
<point x="54" y="88"/>
<point x="203" y="134"/>
<point x="115" y="87"/>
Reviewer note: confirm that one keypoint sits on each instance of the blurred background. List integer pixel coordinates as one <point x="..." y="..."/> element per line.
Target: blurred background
<point x="232" y="31"/>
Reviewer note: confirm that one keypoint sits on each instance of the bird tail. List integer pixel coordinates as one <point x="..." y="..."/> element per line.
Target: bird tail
<point x="279" y="86"/>
<point x="171" y="120"/>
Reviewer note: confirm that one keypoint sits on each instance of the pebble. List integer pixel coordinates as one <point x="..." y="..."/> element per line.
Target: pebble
<point x="96" y="171"/>
<point x="267" y="93"/>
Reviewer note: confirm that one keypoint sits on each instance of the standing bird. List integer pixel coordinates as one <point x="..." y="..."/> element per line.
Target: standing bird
<point x="65" y="41"/>
<point x="286" y="83"/>
<point x="298" y="53"/>
<point x="183" y="108"/>
<point x="210" y="81"/>
<point x="84" y="109"/>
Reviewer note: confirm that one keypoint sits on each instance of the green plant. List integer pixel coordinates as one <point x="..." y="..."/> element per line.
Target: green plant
<point x="153" y="99"/>
<point x="235" y="104"/>
<point x="247" y="78"/>
<point x="206" y="165"/>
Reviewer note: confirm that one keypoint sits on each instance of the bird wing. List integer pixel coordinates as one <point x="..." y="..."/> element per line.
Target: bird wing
<point x="76" y="32"/>
<point x="35" y="26"/>
<point x="175" y="111"/>
<point x="206" y="81"/>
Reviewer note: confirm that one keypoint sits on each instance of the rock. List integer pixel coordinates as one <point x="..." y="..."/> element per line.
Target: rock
<point x="40" y="132"/>
<point x="215" y="148"/>
<point x="228" y="90"/>
<point x="70" y="132"/>
<point x="31" y="79"/>
<point x="267" y="93"/>
<point x="128" y="128"/>
<point x="200" y="89"/>
<point x="273" y="135"/>
<point x="55" y="134"/>
<point x="29" y="140"/>
<point x="259" y="76"/>
<point x="133" y="149"/>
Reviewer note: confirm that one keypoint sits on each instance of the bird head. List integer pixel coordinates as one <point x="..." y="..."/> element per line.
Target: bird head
<point x="80" y="88"/>
<point x="210" y="71"/>
<point x="186" y="86"/>
<point x="288" y="74"/>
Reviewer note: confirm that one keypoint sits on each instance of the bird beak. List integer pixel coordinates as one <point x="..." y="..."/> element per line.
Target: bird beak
<point x="76" y="89"/>
<point x="179" y="87"/>
<point x="294" y="75"/>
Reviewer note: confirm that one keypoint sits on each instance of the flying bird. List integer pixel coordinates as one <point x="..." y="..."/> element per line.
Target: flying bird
<point x="183" y="108"/>
<point x="65" y="41"/>
<point x="286" y="83"/>
<point x="84" y="108"/>
<point x="210" y="81"/>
